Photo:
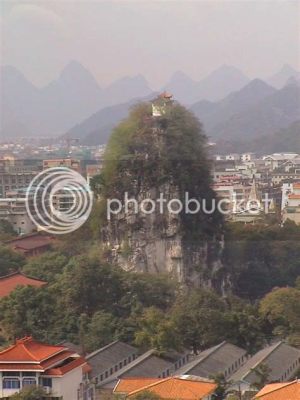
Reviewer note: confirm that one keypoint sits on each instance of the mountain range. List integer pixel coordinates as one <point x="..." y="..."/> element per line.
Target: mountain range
<point x="55" y="108"/>
<point x="256" y="110"/>
<point x="230" y="105"/>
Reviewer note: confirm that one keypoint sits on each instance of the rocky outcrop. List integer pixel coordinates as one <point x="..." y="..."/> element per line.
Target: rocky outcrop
<point x="145" y="236"/>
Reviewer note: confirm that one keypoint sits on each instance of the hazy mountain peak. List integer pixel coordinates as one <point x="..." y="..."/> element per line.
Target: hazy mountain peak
<point x="281" y="77"/>
<point x="287" y="68"/>
<point x="76" y="71"/>
<point x="293" y="81"/>
<point x="227" y="70"/>
<point x="258" y="84"/>
<point x="180" y="76"/>
<point x="12" y="74"/>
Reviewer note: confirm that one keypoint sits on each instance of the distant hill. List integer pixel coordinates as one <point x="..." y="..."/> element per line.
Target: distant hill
<point x="274" y="112"/>
<point x="215" y="86"/>
<point x="256" y="110"/>
<point x="281" y="77"/>
<point x="212" y="114"/>
<point x="54" y="109"/>
<point x="97" y="128"/>
<point x="287" y="139"/>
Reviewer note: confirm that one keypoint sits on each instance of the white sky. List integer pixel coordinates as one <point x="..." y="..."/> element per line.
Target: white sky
<point x="154" y="38"/>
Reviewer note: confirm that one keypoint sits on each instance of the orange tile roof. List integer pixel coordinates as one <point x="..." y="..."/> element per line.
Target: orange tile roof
<point x="294" y="196"/>
<point x="10" y="282"/>
<point x="280" y="391"/>
<point x="28" y="350"/>
<point x="180" y="388"/>
<point x="296" y="185"/>
<point x="80" y="361"/>
<point x="29" y="355"/>
<point x="128" y="385"/>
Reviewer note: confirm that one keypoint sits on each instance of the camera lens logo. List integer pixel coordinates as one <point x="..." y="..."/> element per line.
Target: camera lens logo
<point x="59" y="200"/>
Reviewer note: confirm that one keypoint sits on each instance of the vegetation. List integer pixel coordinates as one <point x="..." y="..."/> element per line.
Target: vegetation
<point x="10" y="261"/>
<point x="138" y="159"/>
<point x="30" y="393"/>
<point x="147" y="396"/>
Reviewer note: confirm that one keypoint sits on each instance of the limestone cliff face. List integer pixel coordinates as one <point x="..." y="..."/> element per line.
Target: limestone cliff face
<point x="155" y="243"/>
<point x="159" y="240"/>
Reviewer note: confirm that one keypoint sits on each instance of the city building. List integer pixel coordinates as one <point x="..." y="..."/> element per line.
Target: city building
<point x="280" y="391"/>
<point x="17" y="174"/>
<point x="9" y="283"/>
<point x="291" y="203"/>
<point x="31" y="245"/>
<point x="224" y="358"/>
<point x="282" y="360"/>
<point x="64" y="163"/>
<point x="55" y="368"/>
<point x="185" y="387"/>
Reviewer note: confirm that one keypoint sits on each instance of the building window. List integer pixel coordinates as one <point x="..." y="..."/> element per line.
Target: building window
<point x="11" y="383"/>
<point x="47" y="382"/>
<point x="29" y="382"/>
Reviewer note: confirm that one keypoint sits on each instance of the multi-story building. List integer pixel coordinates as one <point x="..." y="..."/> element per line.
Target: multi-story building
<point x="63" y="162"/>
<point x="30" y="363"/>
<point x="291" y="204"/>
<point x="17" y="174"/>
<point x="13" y="209"/>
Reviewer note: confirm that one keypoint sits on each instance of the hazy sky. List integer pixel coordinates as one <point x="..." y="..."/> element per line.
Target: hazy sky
<point x="155" y="38"/>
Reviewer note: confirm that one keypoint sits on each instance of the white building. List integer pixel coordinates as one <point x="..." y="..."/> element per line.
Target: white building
<point x="55" y="368"/>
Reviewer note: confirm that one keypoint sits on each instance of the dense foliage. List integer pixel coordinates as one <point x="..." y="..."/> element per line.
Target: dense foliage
<point x="145" y="153"/>
<point x="90" y="302"/>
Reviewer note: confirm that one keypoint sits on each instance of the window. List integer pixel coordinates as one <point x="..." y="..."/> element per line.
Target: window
<point x="11" y="383"/>
<point x="47" y="382"/>
<point x="28" y="382"/>
<point x="10" y="374"/>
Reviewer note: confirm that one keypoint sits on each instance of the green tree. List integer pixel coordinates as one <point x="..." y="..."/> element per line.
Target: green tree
<point x="281" y="308"/>
<point x="100" y="331"/>
<point x="29" y="310"/>
<point x="30" y="393"/>
<point x="10" y="261"/>
<point x="47" y="266"/>
<point x="156" y="331"/>
<point x="146" y="395"/>
<point x="199" y="318"/>
<point x="262" y="373"/>
<point x="223" y="385"/>
<point x="6" y="230"/>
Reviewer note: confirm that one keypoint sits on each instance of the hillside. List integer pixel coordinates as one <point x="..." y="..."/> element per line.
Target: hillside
<point x="274" y="112"/>
<point x="213" y="87"/>
<point x="52" y="110"/>
<point x="287" y="139"/>
<point x="212" y="114"/>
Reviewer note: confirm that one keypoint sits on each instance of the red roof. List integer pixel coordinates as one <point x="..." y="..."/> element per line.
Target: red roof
<point x="10" y="282"/>
<point x="66" y="368"/>
<point x="177" y="387"/>
<point x="280" y="391"/>
<point x="30" y="242"/>
<point x="29" y="350"/>
<point x="29" y="355"/>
